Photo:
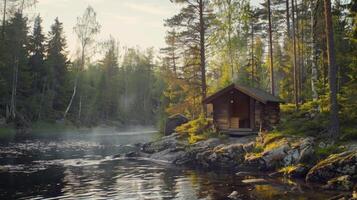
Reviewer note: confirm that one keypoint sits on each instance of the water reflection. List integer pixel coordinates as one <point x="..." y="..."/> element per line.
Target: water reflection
<point x="83" y="167"/>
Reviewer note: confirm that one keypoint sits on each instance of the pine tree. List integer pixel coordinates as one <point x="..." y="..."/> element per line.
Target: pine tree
<point x="57" y="64"/>
<point x="21" y="80"/>
<point x="38" y="72"/>
<point x="194" y="22"/>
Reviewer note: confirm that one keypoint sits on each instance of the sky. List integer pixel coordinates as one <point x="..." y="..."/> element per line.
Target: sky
<point x="132" y="22"/>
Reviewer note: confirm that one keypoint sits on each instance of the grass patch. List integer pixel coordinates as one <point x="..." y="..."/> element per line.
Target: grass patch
<point x="274" y="145"/>
<point x="310" y="122"/>
<point x="272" y="137"/>
<point x="306" y="121"/>
<point x="197" y="130"/>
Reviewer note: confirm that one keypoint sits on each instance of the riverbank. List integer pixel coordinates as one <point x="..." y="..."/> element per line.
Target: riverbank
<point x="297" y="158"/>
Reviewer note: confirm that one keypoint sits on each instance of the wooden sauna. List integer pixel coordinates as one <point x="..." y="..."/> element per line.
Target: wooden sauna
<point x="242" y="108"/>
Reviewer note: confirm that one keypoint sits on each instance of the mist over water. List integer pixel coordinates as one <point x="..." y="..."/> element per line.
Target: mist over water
<point x="85" y="166"/>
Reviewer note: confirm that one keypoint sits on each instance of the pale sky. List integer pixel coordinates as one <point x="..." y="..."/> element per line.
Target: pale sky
<point x="132" y="22"/>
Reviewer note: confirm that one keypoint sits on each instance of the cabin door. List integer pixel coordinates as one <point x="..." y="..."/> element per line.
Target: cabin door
<point x="240" y="112"/>
<point x="234" y="115"/>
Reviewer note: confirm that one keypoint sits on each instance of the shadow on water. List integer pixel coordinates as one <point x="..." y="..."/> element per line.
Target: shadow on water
<point x="83" y="166"/>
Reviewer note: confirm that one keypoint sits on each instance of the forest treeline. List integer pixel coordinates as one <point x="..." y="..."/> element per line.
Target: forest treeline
<point x="281" y="46"/>
<point x="39" y="82"/>
<point x="304" y="51"/>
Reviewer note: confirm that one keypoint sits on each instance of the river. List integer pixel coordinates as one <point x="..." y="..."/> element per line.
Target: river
<point x="84" y="166"/>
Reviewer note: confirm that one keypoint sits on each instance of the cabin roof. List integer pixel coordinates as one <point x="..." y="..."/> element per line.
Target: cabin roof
<point x="255" y="93"/>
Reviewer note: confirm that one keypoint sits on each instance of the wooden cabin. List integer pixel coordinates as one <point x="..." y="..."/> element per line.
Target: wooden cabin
<point x="238" y="108"/>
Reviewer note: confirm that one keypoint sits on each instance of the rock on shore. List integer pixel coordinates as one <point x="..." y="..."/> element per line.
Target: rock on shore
<point x="338" y="171"/>
<point x="292" y="155"/>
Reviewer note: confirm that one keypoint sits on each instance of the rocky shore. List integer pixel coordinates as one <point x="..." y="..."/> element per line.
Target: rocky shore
<point x="275" y="155"/>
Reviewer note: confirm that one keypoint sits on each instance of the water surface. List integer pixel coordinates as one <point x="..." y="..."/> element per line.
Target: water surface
<point x="84" y="166"/>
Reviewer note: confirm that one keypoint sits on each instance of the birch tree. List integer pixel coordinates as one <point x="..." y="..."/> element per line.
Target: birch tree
<point x="86" y="29"/>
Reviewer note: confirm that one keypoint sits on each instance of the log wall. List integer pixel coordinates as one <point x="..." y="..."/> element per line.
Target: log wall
<point x="270" y="115"/>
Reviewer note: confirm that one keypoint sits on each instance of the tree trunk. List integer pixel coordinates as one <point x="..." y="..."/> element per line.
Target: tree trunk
<point x="288" y="19"/>
<point x="75" y="87"/>
<point x="14" y="89"/>
<point x="4" y="20"/>
<point x="203" y="56"/>
<point x="298" y="44"/>
<point x="314" y="76"/>
<point x="271" y="51"/>
<point x="294" y="59"/>
<point x="230" y="38"/>
<point x="333" y="69"/>
<point x="302" y="66"/>
<point x="72" y="98"/>
<point x="252" y="43"/>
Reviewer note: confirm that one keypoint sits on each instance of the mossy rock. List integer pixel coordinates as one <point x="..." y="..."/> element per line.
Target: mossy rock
<point x="295" y="171"/>
<point x="334" y="166"/>
<point x="340" y="183"/>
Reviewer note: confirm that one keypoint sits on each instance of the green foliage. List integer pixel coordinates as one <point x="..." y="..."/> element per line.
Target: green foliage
<point x="106" y="93"/>
<point x="196" y="130"/>
<point x="305" y="122"/>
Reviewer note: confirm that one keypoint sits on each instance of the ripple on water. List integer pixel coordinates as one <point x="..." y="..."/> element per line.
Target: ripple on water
<point x="83" y="167"/>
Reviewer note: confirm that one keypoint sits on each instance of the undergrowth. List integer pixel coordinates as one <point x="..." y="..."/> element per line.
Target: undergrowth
<point x="197" y="130"/>
<point x="308" y="121"/>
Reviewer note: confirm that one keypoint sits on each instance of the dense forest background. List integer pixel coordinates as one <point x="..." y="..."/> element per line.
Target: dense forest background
<point x="280" y="46"/>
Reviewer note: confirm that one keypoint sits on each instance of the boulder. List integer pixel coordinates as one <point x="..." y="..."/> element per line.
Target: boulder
<point x="334" y="166"/>
<point x="340" y="183"/>
<point x="167" y="142"/>
<point x="291" y="157"/>
<point x="273" y="158"/>
<point x="306" y="149"/>
<point x="169" y="155"/>
<point x="249" y="147"/>
<point x="210" y="143"/>
<point x="255" y="161"/>
<point x="173" y="122"/>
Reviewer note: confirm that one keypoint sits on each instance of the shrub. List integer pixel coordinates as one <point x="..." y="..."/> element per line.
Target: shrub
<point x="305" y="122"/>
<point x="197" y="130"/>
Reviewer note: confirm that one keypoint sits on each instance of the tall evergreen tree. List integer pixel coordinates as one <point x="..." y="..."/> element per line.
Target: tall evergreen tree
<point x="194" y="22"/>
<point x="57" y="65"/>
<point x="17" y="52"/>
<point x="39" y="74"/>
